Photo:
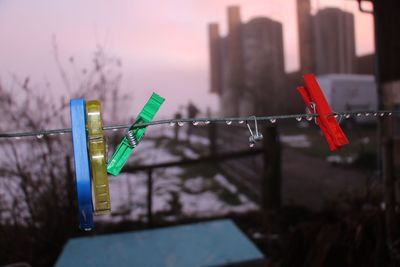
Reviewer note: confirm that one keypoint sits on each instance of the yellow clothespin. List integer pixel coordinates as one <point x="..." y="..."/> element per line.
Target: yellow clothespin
<point x="97" y="155"/>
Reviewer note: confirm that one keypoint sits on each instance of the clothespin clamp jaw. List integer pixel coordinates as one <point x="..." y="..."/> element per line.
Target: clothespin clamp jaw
<point x="134" y="135"/>
<point x="254" y="138"/>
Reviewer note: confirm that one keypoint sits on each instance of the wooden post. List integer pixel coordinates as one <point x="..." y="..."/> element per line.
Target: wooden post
<point x="150" y="197"/>
<point x="271" y="180"/>
<point x="387" y="77"/>
<point x="177" y="127"/>
<point x="212" y="137"/>
<point x="392" y="230"/>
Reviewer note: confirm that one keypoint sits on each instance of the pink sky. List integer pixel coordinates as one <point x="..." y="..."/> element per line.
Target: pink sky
<point x="162" y="44"/>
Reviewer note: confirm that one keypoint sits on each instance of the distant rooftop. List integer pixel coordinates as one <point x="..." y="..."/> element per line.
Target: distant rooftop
<point x="348" y="77"/>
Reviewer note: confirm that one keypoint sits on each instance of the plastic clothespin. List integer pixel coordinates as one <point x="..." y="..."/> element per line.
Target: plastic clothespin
<point x="81" y="162"/>
<point x="134" y="135"/>
<point x="97" y="156"/>
<point x="317" y="103"/>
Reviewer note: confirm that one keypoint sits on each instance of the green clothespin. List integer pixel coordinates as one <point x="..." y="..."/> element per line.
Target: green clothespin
<point x="134" y="135"/>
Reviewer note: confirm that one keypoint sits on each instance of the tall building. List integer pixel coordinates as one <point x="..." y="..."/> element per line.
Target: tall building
<point x="251" y="60"/>
<point x="334" y="41"/>
<point x="234" y="54"/>
<point x="326" y="40"/>
<point x="215" y="58"/>
<point x="263" y="67"/>
<point x="306" y="39"/>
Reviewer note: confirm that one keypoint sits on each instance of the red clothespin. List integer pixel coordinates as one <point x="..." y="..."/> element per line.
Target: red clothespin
<point x="316" y="103"/>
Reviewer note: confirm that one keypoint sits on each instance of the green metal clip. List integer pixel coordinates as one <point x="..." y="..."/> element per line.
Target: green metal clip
<point x="134" y="135"/>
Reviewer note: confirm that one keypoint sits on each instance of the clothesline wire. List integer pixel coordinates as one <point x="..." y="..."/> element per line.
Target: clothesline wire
<point x="205" y="121"/>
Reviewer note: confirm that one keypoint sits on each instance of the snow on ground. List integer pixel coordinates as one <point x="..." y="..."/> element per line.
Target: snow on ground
<point x="199" y="140"/>
<point x="129" y="196"/>
<point x="150" y="152"/>
<point x="208" y="203"/>
<point x="225" y="183"/>
<point x="297" y="141"/>
<point x="189" y="153"/>
<point x="174" y="193"/>
<point x="168" y="131"/>
<point x="194" y="184"/>
<point x="177" y="192"/>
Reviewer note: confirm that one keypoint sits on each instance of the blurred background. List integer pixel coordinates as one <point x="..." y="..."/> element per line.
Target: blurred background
<point x="300" y="204"/>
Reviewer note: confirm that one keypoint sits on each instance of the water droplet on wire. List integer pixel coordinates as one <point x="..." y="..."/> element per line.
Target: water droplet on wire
<point x="382" y="114"/>
<point x="347" y="116"/>
<point x="229" y="122"/>
<point x="375" y="114"/>
<point x="17" y="137"/>
<point x="195" y="123"/>
<point x="309" y="118"/>
<point x="251" y="145"/>
<point x="367" y="114"/>
<point x="298" y="118"/>
<point x="358" y="114"/>
<point x="172" y="123"/>
<point x="181" y="123"/>
<point x="390" y="114"/>
<point x="241" y="122"/>
<point x="207" y="122"/>
<point x="39" y="136"/>
<point x="272" y="120"/>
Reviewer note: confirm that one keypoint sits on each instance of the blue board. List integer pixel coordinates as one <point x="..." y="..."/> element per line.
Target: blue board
<point x="216" y="243"/>
<point x="81" y="161"/>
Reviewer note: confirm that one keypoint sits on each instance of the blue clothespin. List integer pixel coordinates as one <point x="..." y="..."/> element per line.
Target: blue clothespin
<point x="81" y="161"/>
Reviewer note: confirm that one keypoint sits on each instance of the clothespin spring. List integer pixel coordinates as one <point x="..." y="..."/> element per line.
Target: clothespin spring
<point x="131" y="139"/>
<point x="254" y="138"/>
<point x="314" y="108"/>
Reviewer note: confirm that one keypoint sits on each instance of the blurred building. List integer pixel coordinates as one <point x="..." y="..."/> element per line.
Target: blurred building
<point x="326" y="40"/>
<point x="247" y="66"/>
<point x="335" y="48"/>
<point x="263" y="67"/>
<point x="365" y="64"/>
<point x="232" y="64"/>
<point x="215" y="58"/>
<point x="306" y="39"/>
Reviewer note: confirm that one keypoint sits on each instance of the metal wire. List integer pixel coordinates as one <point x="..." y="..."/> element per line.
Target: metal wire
<point x="205" y="121"/>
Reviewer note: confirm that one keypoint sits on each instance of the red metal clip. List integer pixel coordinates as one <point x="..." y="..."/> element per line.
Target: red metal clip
<point x="316" y="103"/>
